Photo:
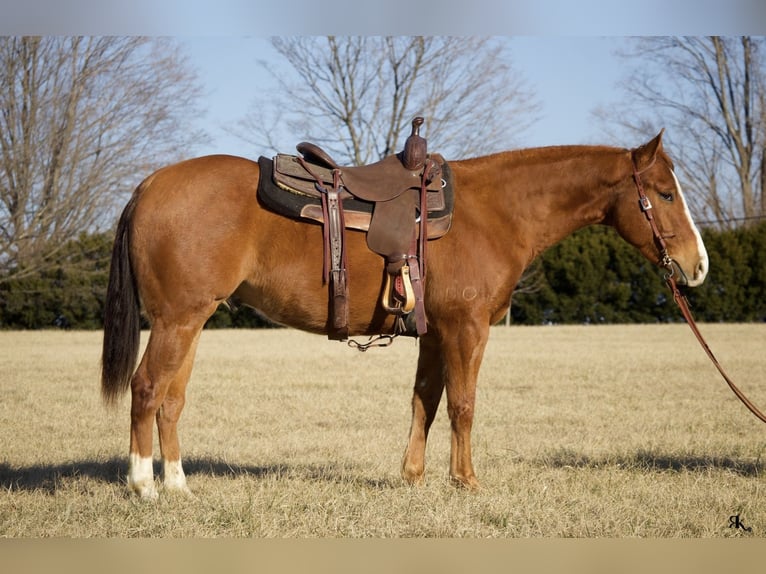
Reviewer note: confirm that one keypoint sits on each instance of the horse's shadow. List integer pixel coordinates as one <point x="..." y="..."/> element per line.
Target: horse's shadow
<point x="49" y="478"/>
<point x="650" y="461"/>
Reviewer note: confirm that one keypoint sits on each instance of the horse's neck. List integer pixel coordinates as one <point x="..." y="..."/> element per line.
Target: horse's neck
<point x="552" y="192"/>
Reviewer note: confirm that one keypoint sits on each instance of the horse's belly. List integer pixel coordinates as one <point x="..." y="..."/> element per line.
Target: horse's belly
<point x="299" y="299"/>
<point x="286" y="306"/>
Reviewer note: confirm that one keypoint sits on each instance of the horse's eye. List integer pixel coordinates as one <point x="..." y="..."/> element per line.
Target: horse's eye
<point x="667" y="196"/>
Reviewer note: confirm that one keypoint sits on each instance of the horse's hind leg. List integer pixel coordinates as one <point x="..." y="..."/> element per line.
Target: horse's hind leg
<point x="158" y="390"/>
<point x="173" y="477"/>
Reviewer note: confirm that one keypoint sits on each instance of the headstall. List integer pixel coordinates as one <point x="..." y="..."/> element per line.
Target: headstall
<point x="667" y="262"/>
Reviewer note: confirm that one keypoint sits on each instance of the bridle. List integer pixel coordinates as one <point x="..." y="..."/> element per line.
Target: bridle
<point x="667" y="262"/>
<point x="646" y="208"/>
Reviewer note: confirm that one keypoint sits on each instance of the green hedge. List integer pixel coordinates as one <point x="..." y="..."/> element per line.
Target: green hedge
<point x="595" y="277"/>
<point x="591" y="277"/>
<point x="70" y="295"/>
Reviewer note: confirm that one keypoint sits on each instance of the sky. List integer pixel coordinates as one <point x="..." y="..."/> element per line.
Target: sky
<point x="570" y="77"/>
<point x="564" y="48"/>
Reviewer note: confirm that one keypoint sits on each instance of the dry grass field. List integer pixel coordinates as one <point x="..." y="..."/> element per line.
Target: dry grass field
<point x="610" y="431"/>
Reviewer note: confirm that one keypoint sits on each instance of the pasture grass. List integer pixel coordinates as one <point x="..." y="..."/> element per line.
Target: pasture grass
<point x="580" y="431"/>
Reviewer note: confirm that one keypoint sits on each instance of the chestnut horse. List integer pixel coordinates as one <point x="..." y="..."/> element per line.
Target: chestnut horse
<point x="194" y="234"/>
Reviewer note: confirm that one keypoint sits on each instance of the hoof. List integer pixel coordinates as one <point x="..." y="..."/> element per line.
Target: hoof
<point x="413" y="480"/>
<point x="173" y="479"/>
<point x="141" y="477"/>
<point x="411" y="476"/>
<point x="144" y="492"/>
<point x="466" y="482"/>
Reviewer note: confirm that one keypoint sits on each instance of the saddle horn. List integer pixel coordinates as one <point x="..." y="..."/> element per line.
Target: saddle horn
<point x="415" y="149"/>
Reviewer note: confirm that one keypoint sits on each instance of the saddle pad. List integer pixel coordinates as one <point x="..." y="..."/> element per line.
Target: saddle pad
<point x="304" y="203"/>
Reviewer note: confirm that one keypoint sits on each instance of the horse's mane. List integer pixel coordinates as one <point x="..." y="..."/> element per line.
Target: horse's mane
<point x="547" y="157"/>
<point x="548" y="154"/>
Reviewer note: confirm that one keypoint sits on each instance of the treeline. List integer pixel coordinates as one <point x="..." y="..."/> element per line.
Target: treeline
<point x="596" y="277"/>
<point x="591" y="277"/>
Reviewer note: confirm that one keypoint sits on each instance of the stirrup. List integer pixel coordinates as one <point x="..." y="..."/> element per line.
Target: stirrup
<point x="393" y="300"/>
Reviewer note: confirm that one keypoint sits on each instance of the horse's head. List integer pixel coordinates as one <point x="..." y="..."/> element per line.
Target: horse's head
<point x="671" y="239"/>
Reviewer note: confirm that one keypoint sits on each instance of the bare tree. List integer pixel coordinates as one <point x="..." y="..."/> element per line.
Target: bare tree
<point x="710" y="94"/>
<point x="357" y="95"/>
<point x="81" y="121"/>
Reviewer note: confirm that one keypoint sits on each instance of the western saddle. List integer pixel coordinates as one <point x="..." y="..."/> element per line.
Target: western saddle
<point x="390" y="200"/>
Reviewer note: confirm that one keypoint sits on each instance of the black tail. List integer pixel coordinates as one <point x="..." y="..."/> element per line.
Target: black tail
<point x="122" y="315"/>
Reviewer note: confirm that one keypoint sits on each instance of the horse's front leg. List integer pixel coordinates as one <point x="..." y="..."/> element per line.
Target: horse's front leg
<point x="429" y="386"/>
<point x="463" y="350"/>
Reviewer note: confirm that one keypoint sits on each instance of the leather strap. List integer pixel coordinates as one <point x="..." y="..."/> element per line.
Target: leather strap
<point x="335" y="268"/>
<point x="416" y="277"/>
<point x="418" y="271"/>
<point x="423" y="237"/>
<point x="646" y="208"/>
<point x="684" y="306"/>
<point x="678" y="297"/>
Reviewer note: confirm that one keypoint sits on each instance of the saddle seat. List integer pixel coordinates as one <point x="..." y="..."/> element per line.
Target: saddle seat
<point x="380" y="181"/>
<point x="390" y="199"/>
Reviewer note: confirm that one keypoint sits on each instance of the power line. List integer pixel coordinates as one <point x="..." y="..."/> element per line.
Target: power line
<point x="731" y="220"/>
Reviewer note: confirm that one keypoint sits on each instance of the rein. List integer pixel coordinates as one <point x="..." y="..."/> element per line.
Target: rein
<point x="678" y="297"/>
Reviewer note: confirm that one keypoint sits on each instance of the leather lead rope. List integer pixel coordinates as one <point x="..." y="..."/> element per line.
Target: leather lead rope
<point x="678" y="297"/>
<point x="684" y="306"/>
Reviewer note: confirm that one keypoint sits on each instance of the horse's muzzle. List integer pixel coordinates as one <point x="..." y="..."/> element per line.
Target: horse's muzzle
<point x="693" y="279"/>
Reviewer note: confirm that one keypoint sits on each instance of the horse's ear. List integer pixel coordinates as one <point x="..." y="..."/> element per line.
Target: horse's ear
<point x="645" y="155"/>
